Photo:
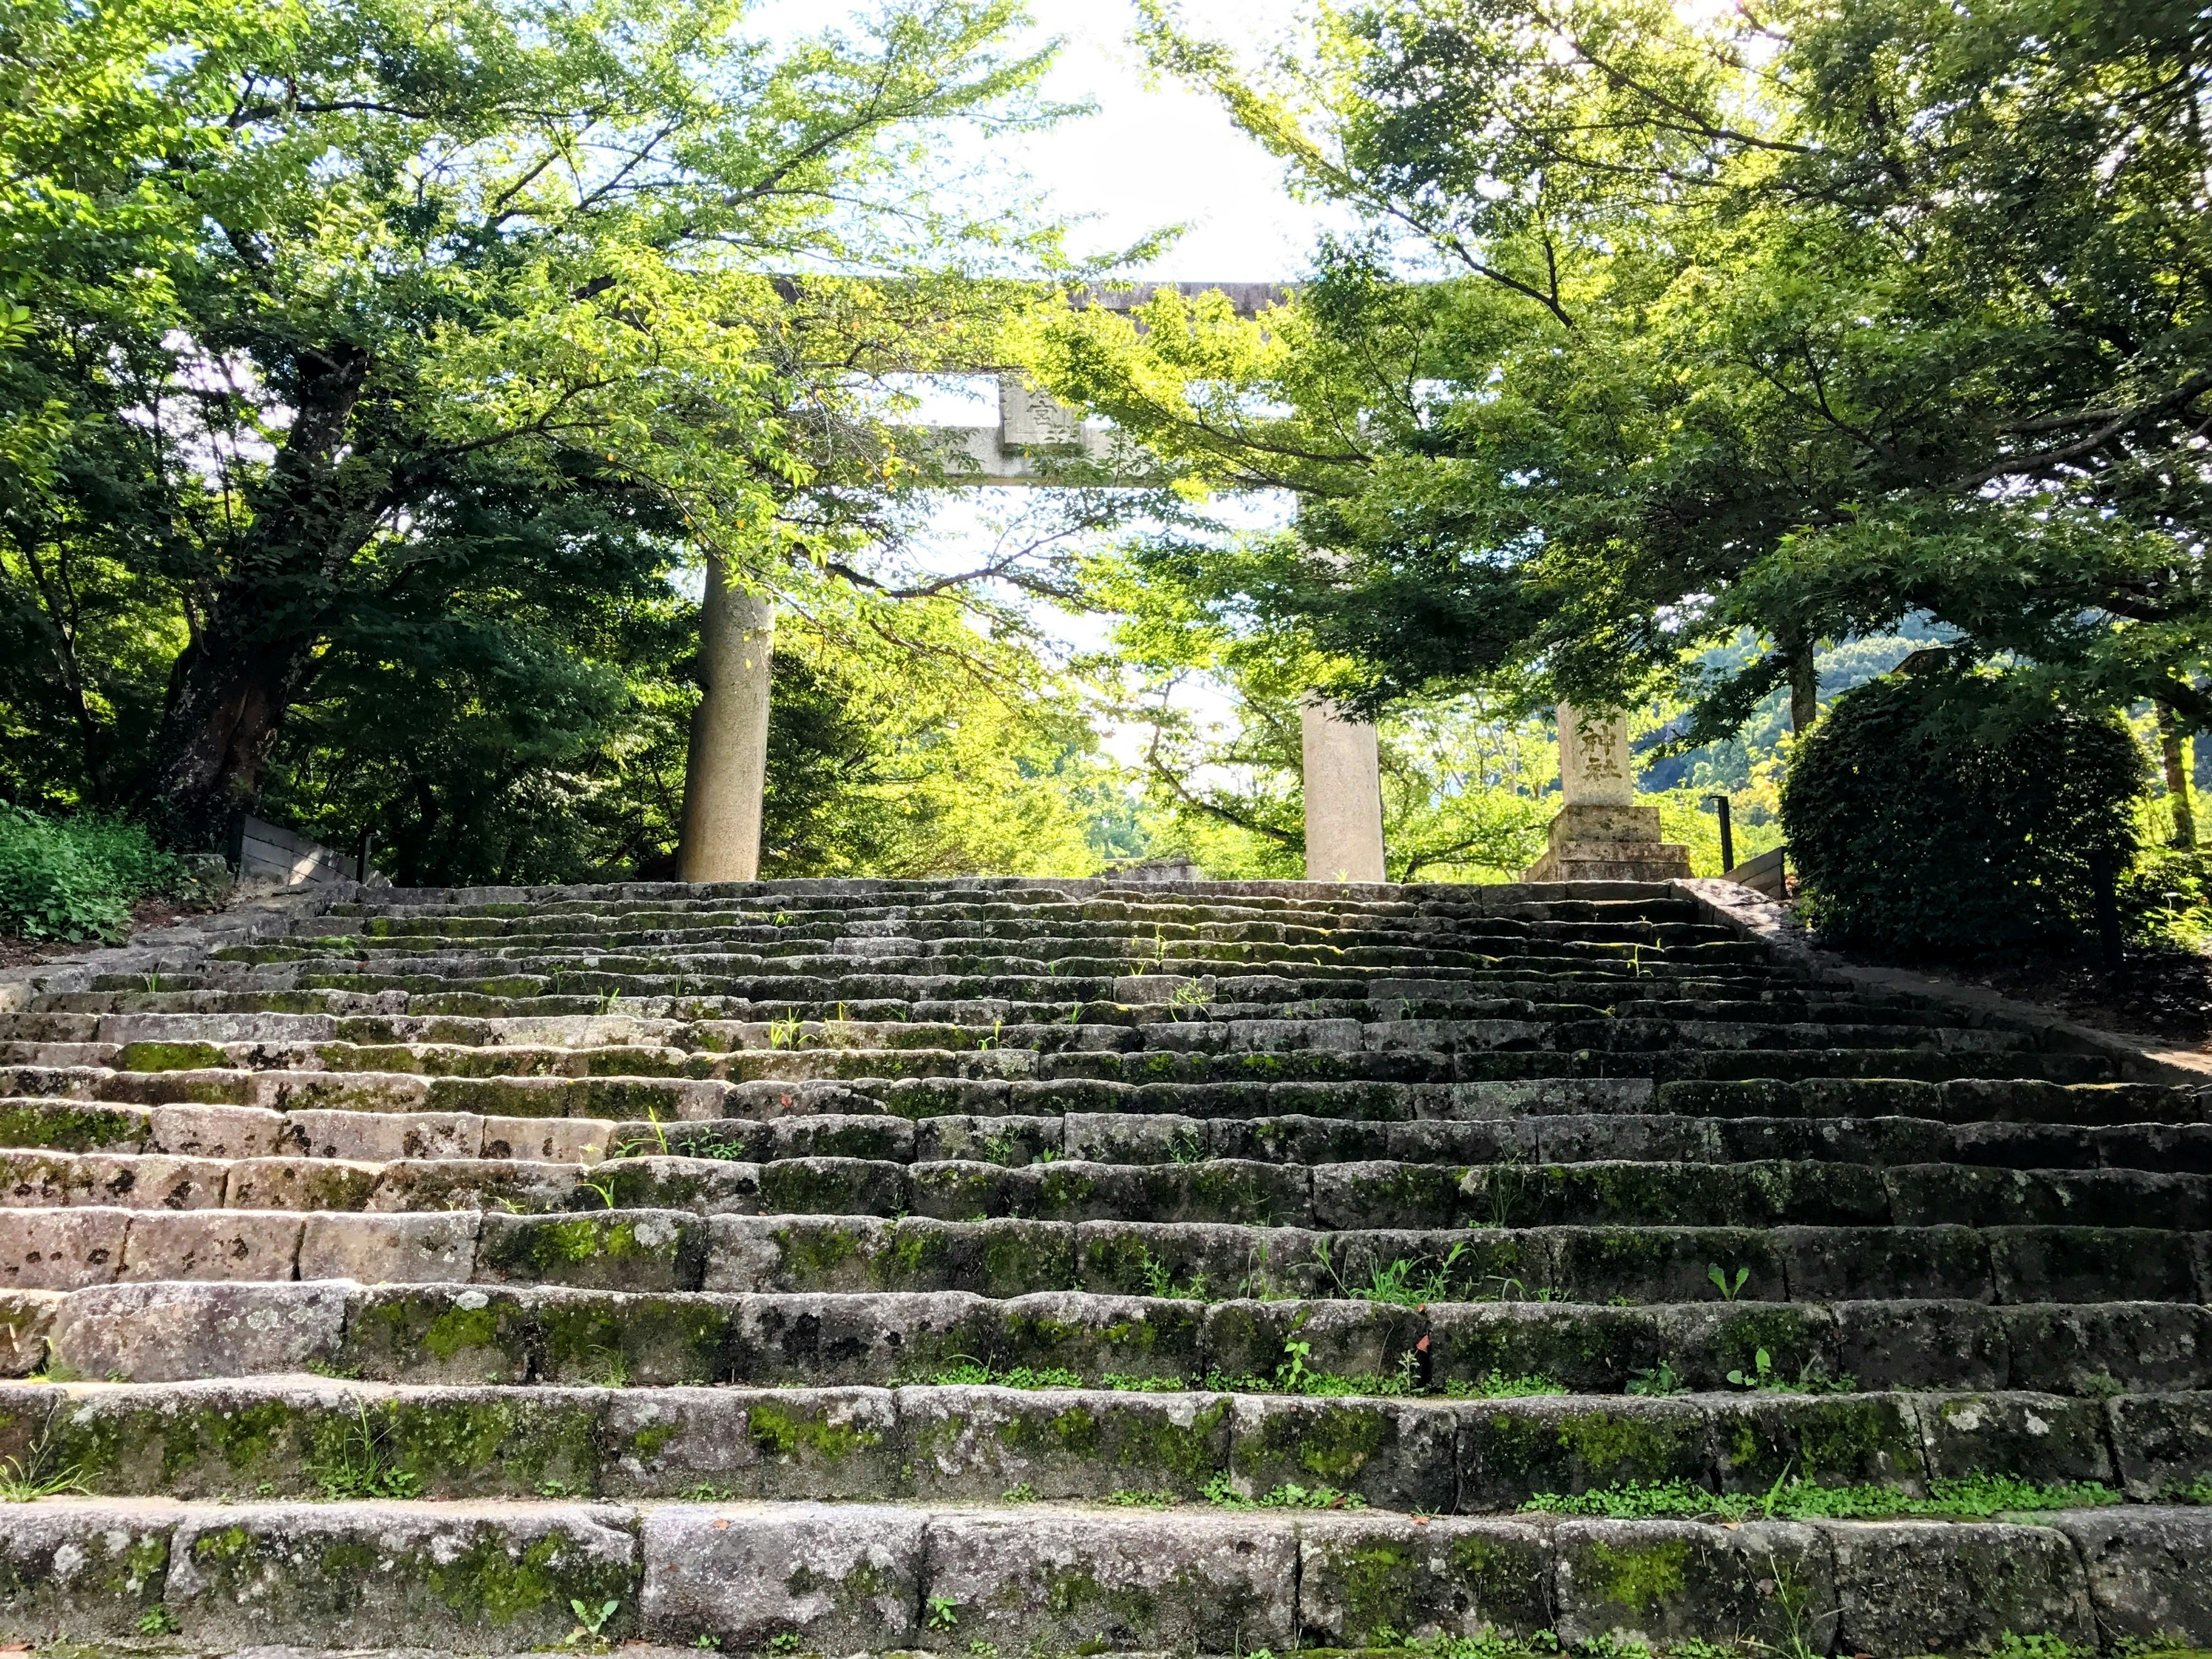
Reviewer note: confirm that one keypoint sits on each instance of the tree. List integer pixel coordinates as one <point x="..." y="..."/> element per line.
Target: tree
<point x="1948" y="813"/>
<point x="368" y="333"/>
<point x="1827" y="314"/>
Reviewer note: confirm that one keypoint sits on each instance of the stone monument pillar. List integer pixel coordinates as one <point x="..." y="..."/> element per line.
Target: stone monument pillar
<point x="1344" y="796"/>
<point x="1600" y="834"/>
<point x="727" y="773"/>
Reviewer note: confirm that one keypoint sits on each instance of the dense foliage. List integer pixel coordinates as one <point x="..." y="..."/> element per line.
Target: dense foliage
<point x="374" y="372"/>
<point x="78" y="880"/>
<point x="1806" y="319"/>
<point x="1940" y="814"/>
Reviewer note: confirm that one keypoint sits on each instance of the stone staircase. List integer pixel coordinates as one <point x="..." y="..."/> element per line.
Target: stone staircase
<point x="1001" y="1268"/>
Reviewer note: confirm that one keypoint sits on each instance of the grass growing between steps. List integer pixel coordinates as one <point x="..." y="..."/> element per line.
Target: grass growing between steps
<point x="1547" y="1644"/>
<point x="1294" y="1378"/>
<point x="1973" y="1496"/>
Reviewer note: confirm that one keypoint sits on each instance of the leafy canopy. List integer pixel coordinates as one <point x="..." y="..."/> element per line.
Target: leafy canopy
<point x="375" y="372"/>
<point x="1805" y="320"/>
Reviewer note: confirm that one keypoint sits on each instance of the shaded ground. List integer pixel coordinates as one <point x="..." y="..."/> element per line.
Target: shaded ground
<point x="2164" y="993"/>
<point x="147" y="913"/>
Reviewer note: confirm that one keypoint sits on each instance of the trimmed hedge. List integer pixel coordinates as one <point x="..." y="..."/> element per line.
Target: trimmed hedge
<point x="1956" y="815"/>
<point x="77" y="878"/>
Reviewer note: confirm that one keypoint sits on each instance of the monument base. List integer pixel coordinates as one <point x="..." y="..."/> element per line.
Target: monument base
<point x="1609" y="843"/>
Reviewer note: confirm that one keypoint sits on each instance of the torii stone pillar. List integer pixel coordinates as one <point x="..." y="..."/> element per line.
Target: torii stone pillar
<point x="727" y="773"/>
<point x="1344" y="796"/>
<point x="1600" y="834"/>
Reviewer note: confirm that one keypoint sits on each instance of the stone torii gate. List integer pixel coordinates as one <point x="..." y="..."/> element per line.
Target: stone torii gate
<point x="726" y="777"/>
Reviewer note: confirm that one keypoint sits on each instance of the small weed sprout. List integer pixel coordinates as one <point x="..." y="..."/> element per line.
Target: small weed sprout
<point x="359" y="1468"/>
<point x="23" y="1479"/>
<point x="1729" y="1291"/>
<point x="591" y="1620"/>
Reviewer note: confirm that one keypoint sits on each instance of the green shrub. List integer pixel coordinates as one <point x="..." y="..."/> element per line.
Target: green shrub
<point x="78" y="879"/>
<point x="1955" y="814"/>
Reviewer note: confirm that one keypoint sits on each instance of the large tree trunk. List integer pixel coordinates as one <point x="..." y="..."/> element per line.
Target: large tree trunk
<point x="257" y="654"/>
<point x="1804" y="691"/>
<point x="2177" y="775"/>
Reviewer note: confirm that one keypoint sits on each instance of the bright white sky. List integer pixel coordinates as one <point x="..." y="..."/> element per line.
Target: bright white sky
<point x="1152" y="155"/>
<point x="1156" y="154"/>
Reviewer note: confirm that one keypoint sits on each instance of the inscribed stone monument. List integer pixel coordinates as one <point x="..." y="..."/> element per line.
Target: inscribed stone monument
<point x="1600" y="834"/>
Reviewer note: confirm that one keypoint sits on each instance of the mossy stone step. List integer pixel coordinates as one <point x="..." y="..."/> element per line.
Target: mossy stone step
<point x="243" y="1438"/>
<point x="1042" y="1578"/>
<point x="173" y="1331"/>
<point x="1385" y="1193"/>
<point x="641" y="1248"/>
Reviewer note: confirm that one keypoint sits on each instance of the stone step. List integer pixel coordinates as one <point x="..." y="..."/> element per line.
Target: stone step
<point x="1055" y="1578"/>
<point x="416" y="1129"/>
<point x="1096" y="1063"/>
<point x="1596" y="1266"/>
<point x="516" y="1333"/>
<point x="315" y="1436"/>
<point x="154" y="1041"/>
<point x="69" y="1247"/>
<point x="1051" y="1030"/>
<point x="1970" y="1104"/>
<point x="1379" y="1193"/>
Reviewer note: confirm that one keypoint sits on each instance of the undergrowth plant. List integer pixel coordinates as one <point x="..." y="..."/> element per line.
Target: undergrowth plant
<point x="1973" y="1496"/>
<point x="77" y="878"/>
<point x="1288" y="1496"/>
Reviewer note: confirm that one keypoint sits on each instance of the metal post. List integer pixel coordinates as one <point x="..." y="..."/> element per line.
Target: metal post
<point x="1720" y="805"/>
<point x="2104" y="881"/>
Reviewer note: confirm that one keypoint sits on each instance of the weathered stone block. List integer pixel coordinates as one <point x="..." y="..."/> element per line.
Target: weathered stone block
<point x="618" y="1341"/>
<point x="1911" y="1587"/>
<point x="1588" y="1350"/>
<point x="26" y="1318"/>
<point x="2098" y="1348"/>
<point x="2039" y="1437"/>
<point x="165" y="1333"/>
<point x="1838" y="1440"/>
<point x="382" y="1137"/>
<point x="838" y="1579"/>
<point x="406" y="1333"/>
<point x="1512" y="1449"/>
<point x="1397" y="1455"/>
<point x="460" y="1577"/>
<point x="754" y="1444"/>
<point x="982" y="1442"/>
<point x="1841" y="1264"/>
<point x="1094" y="1335"/>
<point x="1923" y="1345"/>
<point x="2164" y="1441"/>
<point x="2146" y="1571"/>
<point x="431" y="1183"/>
<point x="540" y="1442"/>
<point x="301" y="1183"/>
<point x="81" y="1570"/>
<point x="212" y="1245"/>
<point x="703" y="1186"/>
<point x="216" y="1131"/>
<point x="61" y="1250"/>
<point x="1056" y="1582"/>
<point x="1380" y="1580"/>
<point x="1668" y="1581"/>
<point x="547" y="1140"/>
<point x="1137" y="1258"/>
<point x="614" y="1249"/>
<point x="1344" y="1339"/>
<point x="390" y="1249"/>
